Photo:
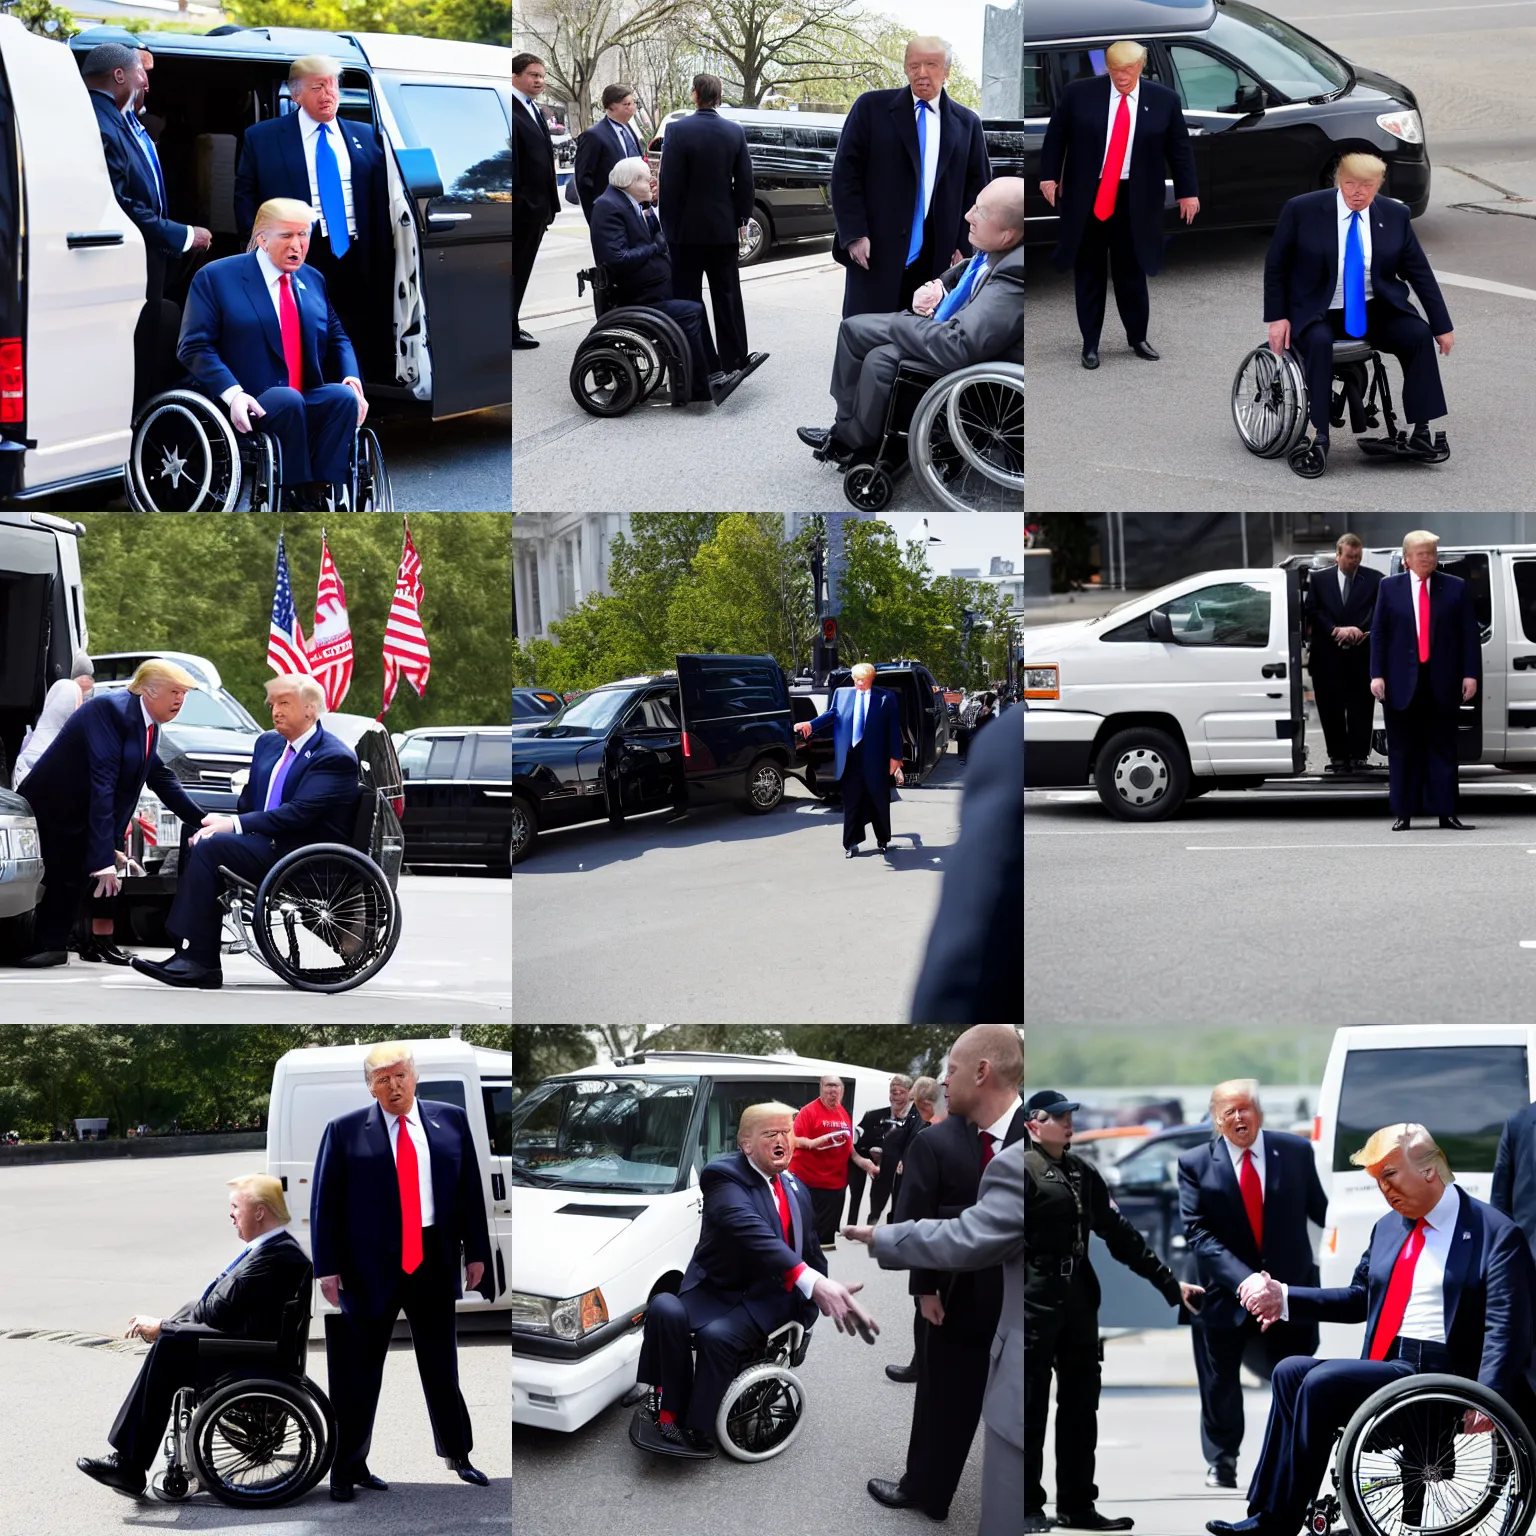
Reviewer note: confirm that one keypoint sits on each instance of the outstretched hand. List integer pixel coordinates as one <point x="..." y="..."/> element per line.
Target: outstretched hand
<point x="835" y="1300"/>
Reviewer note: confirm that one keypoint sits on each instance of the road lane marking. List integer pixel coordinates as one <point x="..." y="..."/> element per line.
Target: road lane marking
<point x="1486" y="285"/>
<point x="1281" y="847"/>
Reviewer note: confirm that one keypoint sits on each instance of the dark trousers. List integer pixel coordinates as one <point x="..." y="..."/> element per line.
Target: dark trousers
<point x="1341" y="683"/>
<point x="1061" y="1333"/>
<point x="1109" y="247"/>
<point x="827" y="1204"/>
<point x="355" y="1350"/>
<point x="141" y="1422"/>
<point x="861" y="804"/>
<point x="195" y="919"/>
<point x="1421" y="754"/>
<point x="856" y="1181"/>
<point x="64" y="880"/>
<point x="952" y="1369"/>
<point x="691" y="264"/>
<point x="154" y="335"/>
<point x="359" y="303"/>
<point x="1405" y="336"/>
<point x="1218" y="1362"/>
<point x="692" y="1389"/>
<point x="315" y="429"/>
<point x="527" y="231"/>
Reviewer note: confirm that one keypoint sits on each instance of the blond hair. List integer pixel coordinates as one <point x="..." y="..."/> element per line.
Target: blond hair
<point x="1233" y="1088"/>
<point x="1122" y="53"/>
<point x="862" y="669"/>
<point x="929" y="45"/>
<point x="754" y="1115"/>
<point x="311" y="64"/>
<point x="265" y="1190"/>
<point x="1420" y="536"/>
<point x="1412" y="1142"/>
<point x="157" y="672"/>
<point x="1360" y="162"/>
<point x="387" y="1055"/>
<point x="308" y="690"/>
<point x="279" y="210"/>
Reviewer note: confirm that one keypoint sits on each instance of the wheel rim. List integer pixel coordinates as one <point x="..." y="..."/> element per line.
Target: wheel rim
<point x="258" y="1443"/>
<point x="766" y="786"/>
<point x="1266" y="403"/>
<point x="607" y="384"/>
<point x="747" y="247"/>
<point x="328" y="919"/>
<point x="944" y="469"/>
<point x="641" y="351"/>
<point x="178" y="464"/>
<point x="1141" y="777"/>
<point x="519" y="829"/>
<point x="764" y="1416"/>
<point x="985" y="417"/>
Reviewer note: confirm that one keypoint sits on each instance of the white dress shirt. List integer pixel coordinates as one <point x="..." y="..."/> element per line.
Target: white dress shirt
<point x="624" y="134"/>
<point x="309" y="131"/>
<point x="1134" y="98"/>
<point x="418" y="1137"/>
<point x="998" y="1130"/>
<point x="527" y="101"/>
<point x="930" y="145"/>
<point x="298" y="746"/>
<point x="805" y="1281"/>
<point x="1344" y="214"/>
<point x="1236" y="1154"/>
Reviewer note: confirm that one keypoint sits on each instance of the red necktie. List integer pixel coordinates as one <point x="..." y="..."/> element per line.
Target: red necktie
<point x="1253" y="1197"/>
<point x="288" y="319"/>
<point x="149" y="743"/>
<point x="406" y="1169"/>
<point x="1399" y="1289"/>
<point x="782" y="1201"/>
<point x="1109" y="182"/>
<point x="1423" y="621"/>
<point x="986" y="1149"/>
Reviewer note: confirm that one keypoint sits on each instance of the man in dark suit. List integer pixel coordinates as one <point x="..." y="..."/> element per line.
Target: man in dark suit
<point x="84" y="788"/>
<point x="336" y="166"/>
<point x="706" y="200"/>
<point x="114" y="75"/>
<point x="1426" y="659"/>
<point x="878" y="1128"/>
<point x="1343" y="605"/>
<point x="973" y="971"/>
<point x="1245" y="1198"/>
<point x="1115" y="134"/>
<point x="246" y="1301"/>
<point x="398" y="1205"/>
<point x="610" y="139"/>
<point x="1339" y="265"/>
<point x="757" y="1266"/>
<point x="909" y="163"/>
<point x="1465" y="1311"/>
<point x="960" y="1311"/>
<point x="1514" y="1173"/>
<point x="535" y="189"/>
<point x="302" y="789"/>
<point x="261" y="334"/>
<point x="866" y="737"/>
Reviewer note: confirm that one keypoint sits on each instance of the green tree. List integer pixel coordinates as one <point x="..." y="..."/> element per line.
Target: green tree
<point x="765" y="46"/>
<point x="46" y="19"/>
<point x="471" y="21"/>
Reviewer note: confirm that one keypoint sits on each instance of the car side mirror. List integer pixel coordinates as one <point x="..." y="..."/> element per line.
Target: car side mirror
<point x="1250" y="98"/>
<point x="419" y="170"/>
<point x="1160" y="627"/>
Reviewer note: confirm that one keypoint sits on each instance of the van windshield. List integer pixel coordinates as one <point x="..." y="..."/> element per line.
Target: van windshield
<point x="602" y="1133"/>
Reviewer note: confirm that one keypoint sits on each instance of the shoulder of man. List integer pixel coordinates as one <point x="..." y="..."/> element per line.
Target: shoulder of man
<point x="353" y="1120"/>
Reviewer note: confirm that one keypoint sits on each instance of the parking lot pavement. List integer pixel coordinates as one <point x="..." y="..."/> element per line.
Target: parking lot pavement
<point x="460" y="465"/>
<point x="856" y="1427"/>
<point x="726" y="917"/>
<point x="451" y="965"/>
<point x="90" y="1244"/>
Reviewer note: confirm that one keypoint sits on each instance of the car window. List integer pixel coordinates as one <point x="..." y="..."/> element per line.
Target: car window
<point x="731" y="687"/>
<point x="595" y="711"/>
<point x="657" y="713"/>
<point x="1228" y="613"/>
<point x="443" y="757"/>
<point x="1525" y="595"/>
<point x="717" y="1134"/>
<point x="1086" y="63"/>
<point x="414" y="752"/>
<point x="493" y="758"/>
<point x="1156" y="1162"/>
<point x="1208" y="84"/>
<point x="1473" y="569"/>
<point x="467" y="127"/>
<point x="1037" y="85"/>
<point x="759" y="135"/>
<point x="498" y="1117"/>
<point x="1277" y="53"/>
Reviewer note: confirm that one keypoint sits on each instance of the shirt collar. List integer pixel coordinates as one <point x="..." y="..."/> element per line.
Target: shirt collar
<point x="269" y="271"/>
<point x="304" y="740"/>
<point x="1447" y="1209"/>
<point x="767" y="1178"/>
<point x="1345" y="210"/>
<point x="639" y="206"/>
<point x="999" y="1127"/>
<point x="1235" y="1152"/>
<point x="144" y="711"/>
<point x="412" y="1116"/>
<point x="310" y="126"/>
<point x="934" y="104"/>
<point x="1133" y="95"/>
<point x="261" y="1237"/>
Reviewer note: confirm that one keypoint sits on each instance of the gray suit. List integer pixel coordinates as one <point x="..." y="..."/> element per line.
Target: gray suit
<point x="987" y="1233"/>
<point x="989" y="329"/>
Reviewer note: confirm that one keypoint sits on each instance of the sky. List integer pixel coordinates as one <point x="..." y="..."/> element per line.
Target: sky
<point x="970" y="538"/>
<point x="960" y="22"/>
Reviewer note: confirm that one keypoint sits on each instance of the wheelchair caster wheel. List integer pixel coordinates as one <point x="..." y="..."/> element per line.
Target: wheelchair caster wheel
<point x="1308" y="460"/>
<point x="170" y="1487"/>
<point x="868" y="487"/>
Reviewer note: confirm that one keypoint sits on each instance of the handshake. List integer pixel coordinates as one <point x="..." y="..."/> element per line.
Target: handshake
<point x="1263" y="1297"/>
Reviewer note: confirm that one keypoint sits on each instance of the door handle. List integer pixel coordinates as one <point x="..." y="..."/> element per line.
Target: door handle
<point x="448" y="218"/>
<point x="1273" y="669"/>
<point x="87" y="240"/>
<point x="498" y="794"/>
<point x="1523" y="663"/>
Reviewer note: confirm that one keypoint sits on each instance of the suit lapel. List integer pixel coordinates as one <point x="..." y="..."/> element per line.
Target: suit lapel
<point x="261" y="306"/>
<point x="906" y="129"/>
<point x="291" y="135"/>
<point x="1458" y="1262"/>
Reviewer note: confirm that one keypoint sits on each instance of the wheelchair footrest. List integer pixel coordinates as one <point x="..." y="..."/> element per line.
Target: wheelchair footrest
<point x="644" y="1434"/>
<point x="1396" y="446"/>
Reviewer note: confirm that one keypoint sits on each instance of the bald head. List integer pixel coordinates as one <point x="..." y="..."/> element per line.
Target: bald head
<point x="986" y="1066"/>
<point x="997" y="217"/>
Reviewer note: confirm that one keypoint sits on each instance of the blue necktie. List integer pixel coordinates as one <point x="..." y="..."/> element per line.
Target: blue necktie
<point x="916" y="243"/>
<point x="333" y="201"/>
<point x="858" y="717"/>
<point x="1354" y="278"/>
<point x="275" y="788"/>
<point x="223" y="1272"/>
<point x="147" y="145"/>
<point x="959" y="295"/>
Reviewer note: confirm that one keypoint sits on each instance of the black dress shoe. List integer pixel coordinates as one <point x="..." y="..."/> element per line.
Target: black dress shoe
<point x="1402" y="824"/>
<point x="104" y="952"/>
<point x="1146" y="350"/>
<point x="522" y="342"/>
<point x="179" y="971"/>
<point x="469" y="1474"/>
<point x="1252" y="1526"/>
<point x="1220" y="1476"/>
<point x="1092" y="1520"/>
<point x="111" y="1471"/>
<point x="813" y="437"/>
<point x="44" y="958"/>
<point x="755" y="360"/>
<point x="849" y="853"/>
<point x="890" y="1494"/>
<point x="341" y="1488"/>
<point x="1456" y="824"/>
<point x="902" y="1373"/>
<point x="701" y="1440"/>
<point x="1090" y="357"/>
<point x="368" y="1480"/>
<point x="723" y="385"/>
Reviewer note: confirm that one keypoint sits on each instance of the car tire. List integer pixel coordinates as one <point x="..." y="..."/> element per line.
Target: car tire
<point x="765" y="787"/>
<point x="1142" y="774"/>
<point x="16" y="936"/>
<point x="759" y="238"/>
<point x="525" y="829"/>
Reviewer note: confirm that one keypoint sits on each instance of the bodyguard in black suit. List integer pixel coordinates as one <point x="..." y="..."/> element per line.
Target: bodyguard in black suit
<point x="1112" y="220"/>
<point x="885" y="1130"/>
<point x="1343" y="604"/>
<point x="706" y="197"/>
<point x="890" y="242"/>
<point x="535" y="191"/>
<point x="610" y="139"/>
<point x="1245" y="1198"/>
<point x="1514" y="1173"/>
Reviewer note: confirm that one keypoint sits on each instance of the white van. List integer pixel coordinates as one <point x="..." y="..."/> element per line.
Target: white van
<point x="606" y="1204"/>
<point x="311" y="1087"/>
<point x="1461" y="1081"/>
<point x="1197" y="686"/>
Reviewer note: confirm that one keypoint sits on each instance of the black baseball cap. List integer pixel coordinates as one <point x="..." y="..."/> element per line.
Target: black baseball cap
<point x="1052" y="1102"/>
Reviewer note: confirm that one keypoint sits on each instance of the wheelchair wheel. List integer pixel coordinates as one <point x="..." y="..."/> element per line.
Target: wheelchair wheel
<point x="604" y="381"/>
<point x="867" y="486"/>
<point x="642" y="351"/>
<point x="371" y="490"/>
<point x="266" y="473"/>
<point x="325" y="918"/>
<point x="256" y="1444"/>
<point x="761" y="1413"/>
<point x="1269" y="403"/>
<point x="184" y="456"/>
<point x="985" y="415"/>
<point x="980" y="477"/>
<point x="1405" y="1462"/>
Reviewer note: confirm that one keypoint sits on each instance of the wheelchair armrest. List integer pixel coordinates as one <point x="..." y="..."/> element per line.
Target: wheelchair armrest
<point x="236" y="881"/>
<point x="219" y="1356"/>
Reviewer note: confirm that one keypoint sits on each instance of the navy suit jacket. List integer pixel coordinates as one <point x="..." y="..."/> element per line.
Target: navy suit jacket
<point x="1514" y="1172"/>
<point x="881" y="723"/>
<point x="1488" y="1283"/>
<point x="319" y="793"/>
<point x="1217" y="1228"/>
<point x="90" y="778"/>
<point x="230" y="334"/>
<point x="597" y="152"/>
<point x="706" y="179"/>
<point x="133" y="182"/>
<point x="1073" y="156"/>
<point x="636" y="261"/>
<point x="1329" y="611"/>
<point x="355" y="1210"/>
<point x="1455" y="645"/>
<point x="741" y="1254"/>
<point x="1302" y="265"/>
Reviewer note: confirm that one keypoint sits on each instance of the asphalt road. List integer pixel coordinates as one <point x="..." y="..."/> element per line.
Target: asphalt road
<point x="725" y="917"/>
<point x="90" y="1244"/>
<point x="452" y="965"/>
<point x="856" y="1427"/>
<point x="463" y="464"/>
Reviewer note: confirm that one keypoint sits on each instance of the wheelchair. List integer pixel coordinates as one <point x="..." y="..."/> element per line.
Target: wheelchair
<point x="1269" y="405"/>
<point x="1404" y="1463"/>
<point x="324" y="918"/>
<point x="255" y="1431"/>
<point x="961" y="434"/>
<point x="185" y="456"/>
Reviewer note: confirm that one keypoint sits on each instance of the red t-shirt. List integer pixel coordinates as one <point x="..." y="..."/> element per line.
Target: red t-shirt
<point x="826" y="1168"/>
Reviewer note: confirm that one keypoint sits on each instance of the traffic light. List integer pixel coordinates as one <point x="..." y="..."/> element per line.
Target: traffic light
<point x="829" y="631"/>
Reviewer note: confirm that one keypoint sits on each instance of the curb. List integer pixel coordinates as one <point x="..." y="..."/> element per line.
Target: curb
<point x="83" y="1340"/>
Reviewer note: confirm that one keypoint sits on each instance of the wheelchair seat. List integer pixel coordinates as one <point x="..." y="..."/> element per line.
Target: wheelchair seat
<point x="1353" y="349"/>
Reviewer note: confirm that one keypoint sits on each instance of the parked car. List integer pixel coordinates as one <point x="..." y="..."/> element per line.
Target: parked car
<point x="1269" y="108"/>
<point x="21" y="874"/>
<point x="534" y="705"/>
<point x="718" y="728"/>
<point x="458" y="795"/>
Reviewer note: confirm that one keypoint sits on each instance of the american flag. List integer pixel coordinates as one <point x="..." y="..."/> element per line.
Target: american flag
<point x="286" y="651"/>
<point x="330" y="642"/>
<point x="406" y="653"/>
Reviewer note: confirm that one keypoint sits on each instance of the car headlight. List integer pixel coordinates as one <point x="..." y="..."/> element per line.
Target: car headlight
<point x="568" y="1317"/>
<point x="1406" y="125"/>
<point x="1042" y="682"/>
<point x="25" y="843"/>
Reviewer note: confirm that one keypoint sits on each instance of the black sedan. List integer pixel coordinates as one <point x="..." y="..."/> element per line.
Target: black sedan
<point x="458" y="795"/>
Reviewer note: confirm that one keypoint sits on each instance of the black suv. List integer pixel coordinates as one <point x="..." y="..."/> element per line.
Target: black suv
<point x="458" y="795"/>
<point x="718" y="728"/>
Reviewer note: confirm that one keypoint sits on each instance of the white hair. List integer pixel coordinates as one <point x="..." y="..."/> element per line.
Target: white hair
<point x="387" y="1055"/>
<point x="930" y="45"/>
<point x="627" y="172"/>
<point x="1236" y="1088"/>
<point x="864" y="668"/>
<point x="309" y="691"/>
<point x="1420" y="536"/>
